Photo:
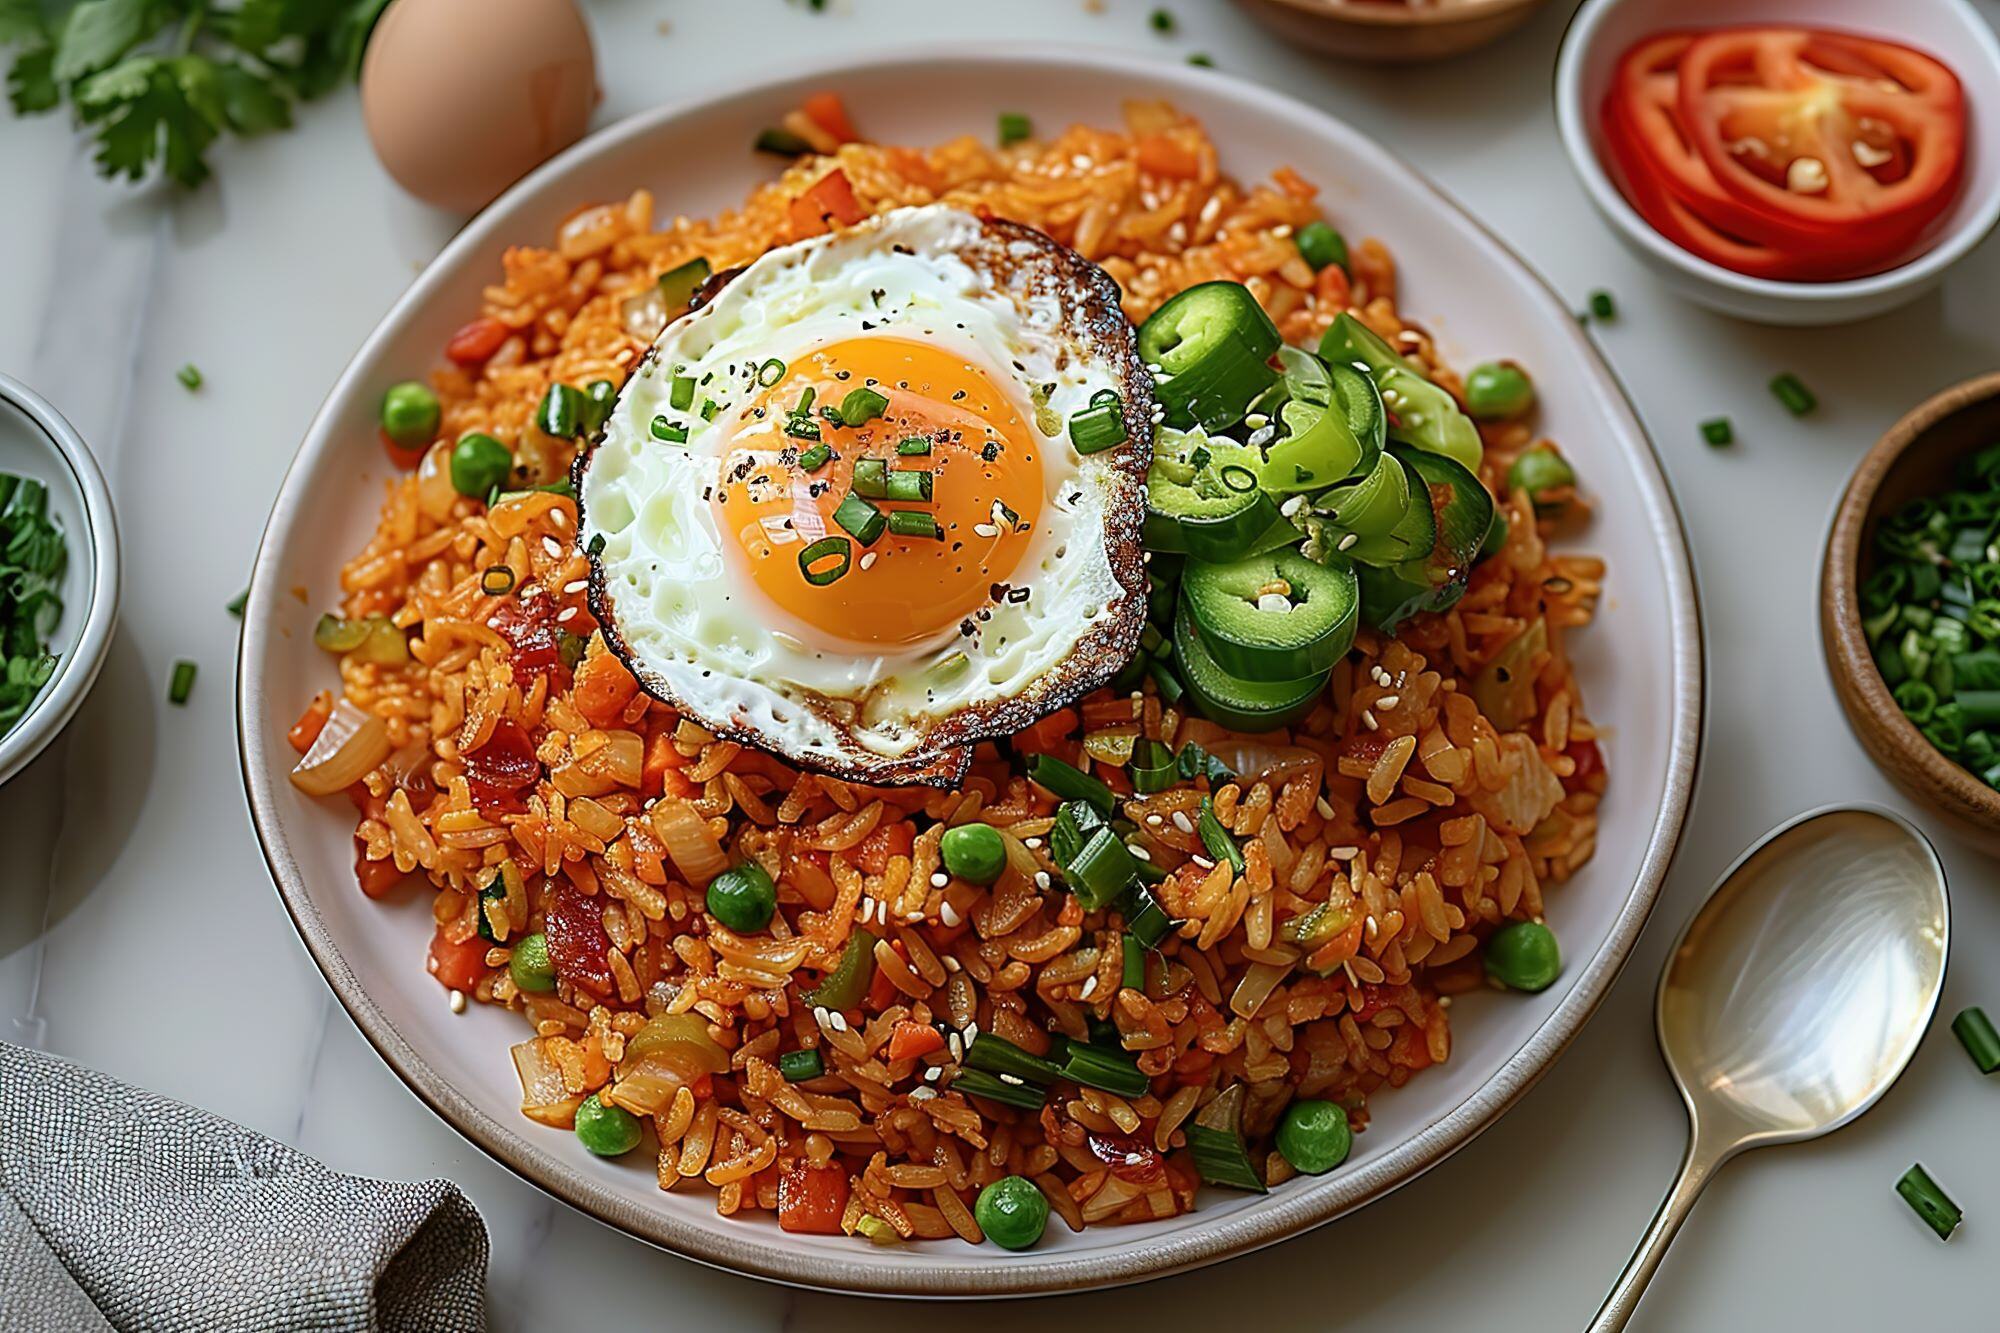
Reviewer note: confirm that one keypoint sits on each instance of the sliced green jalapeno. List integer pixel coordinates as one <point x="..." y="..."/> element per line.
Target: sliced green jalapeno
<point x="1462" y="512"/>
<point x="1212" y="344"/>
<point x="1273" y="617"/>
<point x="1331" y="424"/>
<point x="1426" y="416"/>
<point x="1202" y="498"/>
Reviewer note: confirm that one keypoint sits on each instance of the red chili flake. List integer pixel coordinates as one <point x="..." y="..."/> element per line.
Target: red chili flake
<point x="1132" y="1160"/>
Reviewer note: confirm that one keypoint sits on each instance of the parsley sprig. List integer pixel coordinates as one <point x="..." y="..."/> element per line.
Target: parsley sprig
<point x="159" y="81"/>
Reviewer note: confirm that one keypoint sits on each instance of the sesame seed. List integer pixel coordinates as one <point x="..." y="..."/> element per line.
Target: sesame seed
<point x="1203" y="862"/>
<point x="955" y="1046"/>
<point x="1444" y="1001"/>
<point x="940" y="879"/>
<point x="1182" y="822"/>
<point x="868" y="560"/>
<point x="553" y="547"/>
<point x="458" y="1002"/>
<point x="931" y="1074"/>
<point x="1293" y="506"/>
<point x="1348" y="540"/>
<point x="971" y="1033"/>
<point x="1256" y="421"/>
<point x="867" y="908"/>
<point x="1014" y="1079"/>
<point x="1041" y="879"/>
<point x="1369" y="926"/>
<point x="985" y="530"/>
<point x="838" y="1019"/>
<point x="1140" y="852"/>
<point x="1343" y="853"/>
<point x="1324" y="807"/>
<point x="1154" y="821"/>
<point x="819" y="1014"/>
<point x="1282" y="230"/>
<point x="575" y="586"/>
<point x="1032" y="844"/>
<point x="1369" y="718"/>
<point x="567" y="613"/>
<point x="950" y="964"/>
<point x="922" y="1094"/>
<point x="1089" y="987"/>
<point x="1388" y="701"/>
<point x="947" y="913"/>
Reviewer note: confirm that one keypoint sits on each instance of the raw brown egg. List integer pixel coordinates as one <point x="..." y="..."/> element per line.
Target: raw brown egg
<point x="464" y="97"/>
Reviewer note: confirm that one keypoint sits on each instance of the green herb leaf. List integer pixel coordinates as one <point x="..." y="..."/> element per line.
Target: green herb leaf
<point x="97" y="33"/>
<point x="31" y="82"/>
<point x="252" y="103"/>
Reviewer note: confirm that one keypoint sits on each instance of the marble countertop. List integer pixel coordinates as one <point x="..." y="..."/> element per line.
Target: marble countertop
<point x="139" y="933"/>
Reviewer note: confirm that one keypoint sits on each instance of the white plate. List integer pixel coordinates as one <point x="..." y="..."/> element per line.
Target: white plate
<point x="1640" y="665"/>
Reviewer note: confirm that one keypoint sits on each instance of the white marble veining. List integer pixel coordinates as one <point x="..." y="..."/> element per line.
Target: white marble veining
<point x="139" y="933"/>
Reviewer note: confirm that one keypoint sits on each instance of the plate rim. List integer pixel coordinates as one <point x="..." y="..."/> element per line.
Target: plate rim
<point x="1228" y="1237"/>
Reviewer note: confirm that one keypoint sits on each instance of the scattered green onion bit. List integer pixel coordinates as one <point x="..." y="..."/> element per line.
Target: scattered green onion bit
<point x="916" y="446"/>
<point x="815" y="458"/>
<point x="182" y="684"/>
<point x="864" y="520"/>
<point x="1098" y="427"/>
<point x="238" y="602"/>
<point x="679" y="284"/>
<point x="1196" y="762"/>
<point x="1014" y="127"/>
<point x="1202" y="59"/>
<point x="1718" y="432"/>
<point x="812" y="560"/>
<point x="561" y="412"/>
<point x="1602" y="306"/>
<point x="1974" y="1031"/>
<point x="1931" y="1203"/>
<point x="801" y="428"/>
<point x="910" y="523"/>
<point x="669" y="431"/>
<point x="1321" y="245"/>
<point x="1145" y="920"/>
<point x="680" y="393"/>
<point x="1162" y="21"/>
<point x="782" y="142"/>
<point x="799" y="1066"/>
<point x="1103" y="870"/>
<point x="1132" y="963"/>
<point x="909" y="487"/>
<point x="770" y="372"/>
<point x="871" y="478"/>
<point x="1221" y="846"/>
<point x="862" y="405"/>
<point x="1153" y="767"/>
<point x="189" y="376"/>
<point x="1067" y="782"/>
<point x="496" y="580"/>
<point x="599" y="397"/>
<point x="1793" y="393"/>
<point x="709" y="407"/>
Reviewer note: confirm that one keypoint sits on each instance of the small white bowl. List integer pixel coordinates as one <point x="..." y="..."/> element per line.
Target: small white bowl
<point x="36" y="442"/>
<point x="1951" y="30"/>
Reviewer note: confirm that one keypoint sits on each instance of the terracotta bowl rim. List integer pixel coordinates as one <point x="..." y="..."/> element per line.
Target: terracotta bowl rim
<point x="1376" y="14"/>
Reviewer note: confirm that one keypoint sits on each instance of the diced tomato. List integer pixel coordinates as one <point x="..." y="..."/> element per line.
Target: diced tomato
<point x="602" y="688"/>
<point x="1130" y="1158"/>
<point x="1333" y="287"/>
<point x="908" y="1041"/>
<point x="527" y="621"/>
<point x="1047" y="734"/>
<point x="474" y="342"/>
<point x="311" y="722"/>
<point x="827" y="111"/>
<point x="1588" y="758"/>
<point x="830" y="199"/>
<point x="874" y="851"/>
<point x="1165" y="156"/>
<point x="882" y="992"/>
<point x="376" y="878"/>
<point x="812" y="1199"/>
<point x="457" y="966"/>
<point x="405" y="457"/>
<point x="574" y="925"/>
<point x="1374" y="999"/>
<point x="505" y="760"/>
<point x="703" y="1087"/>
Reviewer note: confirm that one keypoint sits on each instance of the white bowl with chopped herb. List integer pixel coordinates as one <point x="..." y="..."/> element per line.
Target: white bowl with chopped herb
<point x="58" y="573"/>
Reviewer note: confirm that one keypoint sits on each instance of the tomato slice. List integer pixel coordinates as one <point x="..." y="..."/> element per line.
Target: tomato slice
<point x="1825" y="131"/>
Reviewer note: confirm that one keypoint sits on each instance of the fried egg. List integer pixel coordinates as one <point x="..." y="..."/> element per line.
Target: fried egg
<point x="710" y="498"/>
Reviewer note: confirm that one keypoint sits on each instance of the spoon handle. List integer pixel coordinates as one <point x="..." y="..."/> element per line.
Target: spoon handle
<point x="1696" y="1167"/>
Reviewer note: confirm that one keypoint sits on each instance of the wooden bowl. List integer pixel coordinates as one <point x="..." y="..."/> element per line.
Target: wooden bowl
<point x="1392" y="33"/>
<point x="1914" y="459"/>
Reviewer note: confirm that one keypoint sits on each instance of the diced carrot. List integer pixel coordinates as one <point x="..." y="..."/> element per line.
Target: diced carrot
<point x="376" y="878"/>
<point x="828" y="199"/>
<point x="457" y="966"/>
<point x="473" y="343"/>
<point x="663" y="762"/>
<point x="703" y="1087"/>
<point x="1333" y="287"/>
<point x="907" y="1041"/>
<point x="602" y="688"/>
<point x="873" y="854"/>
<point x="827" y="111"/>
<point x="403" y="456"/>
<point x="311" y="722"/>
<point x="1046" y="734"/>
<point x="1167" y="157"/>
<point x="812" y="1199"/>
<point x="882" y="992"/>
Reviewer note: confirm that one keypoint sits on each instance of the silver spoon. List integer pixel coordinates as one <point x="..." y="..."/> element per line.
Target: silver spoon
<point x="1794" y="998"/>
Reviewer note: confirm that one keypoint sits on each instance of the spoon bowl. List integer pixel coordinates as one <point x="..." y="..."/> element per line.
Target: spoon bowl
<point x="1795" y="997"/>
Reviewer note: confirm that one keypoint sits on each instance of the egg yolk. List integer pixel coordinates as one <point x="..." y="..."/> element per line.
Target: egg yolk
<point x="987" y="491"/>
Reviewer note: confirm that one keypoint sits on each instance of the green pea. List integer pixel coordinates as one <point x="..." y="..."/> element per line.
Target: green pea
<point x="409" y="414"/>
<point x="743" y="897"/>
<point x="608" y="1131"/>
<point x="1523" y="956"/>
<point x="1539" y="471"/>
<point x="1314" y="1136"/>
<point x="974" y="852"/>
<point x="529" y="964"/>
<point x="599" y="396"/>
<point x="1012" y="1212"/>
<point x="479" y="463"/>
<point x="1498" y="391"/>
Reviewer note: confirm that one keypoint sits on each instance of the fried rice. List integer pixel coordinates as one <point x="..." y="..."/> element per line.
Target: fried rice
<point x="1396" y="800"/>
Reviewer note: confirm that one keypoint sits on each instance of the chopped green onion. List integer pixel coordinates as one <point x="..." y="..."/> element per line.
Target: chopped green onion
<point x="1075" y="822"/>
<point x="1153" y="767"/>
<point x="801" y="428"/>
<point x="596" y="547"/>
<point x="497" y="580"/>
<point x="189" y="377"/>
<point x="1931" y="1203"/>
<point x="599" y="397"/>
<point x="1974" y="1031"/>
<point x="1221" y="846"/>
<point x="679" y="284"/>
<point x="864" y="520"/>
<point x="816" y="457"/>
<point x="183" y="682"/>
<point x="1103" y="870"/>
<point x="799" y="1066"/>
<point x="910" y="523"/>
<point x="782" y="142"/>
<point x="1202" y="60"/>
<point x="1196" y="762"/>
<point x="812" y="558"/>
<point x="1321" y="245"/>
<point x="1718" y="432"/>
<point x="871" y="478"/>
<point x="1602" y="306"/>
<point x="561" y="412"/>
<point x="770" y="372"/>
<point x="1793" y="393"/>
<point x="1145" y="919"/>
<point x="669" y="431"/>
<point x="1098" y="427"/>
<point x="1131" y="962"/>
<point x="1014" y="127"/>
<point x="238" y="602"/>
<point x="997" y="1055"/>
<point x="862" y="405"/>
<point x="995" y="1088"/>
<point x="1162" y="21"/>
<point x="1108" y="1071"/>
<point x="680" y="393"/>
<point x="909" y="487"/>
<point x="916" y="446"/>
<point x="847" y="985"/>
<point x="1066" y="782"/>
<point x="709" y="407"/>
<point x="1215" y="1136"/>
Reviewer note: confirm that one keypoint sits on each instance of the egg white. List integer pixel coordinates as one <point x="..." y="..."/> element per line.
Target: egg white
<point x="699" y="634"/>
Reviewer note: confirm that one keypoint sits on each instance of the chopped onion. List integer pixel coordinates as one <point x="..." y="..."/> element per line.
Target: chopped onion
<point x="351" y="744"/>
<point x="543" y="1097"/>
<point x="693" y="848"/>
<point x="1256" y="987"/>
<point x="435" y="493"/>
<point x="1255" y="760"/>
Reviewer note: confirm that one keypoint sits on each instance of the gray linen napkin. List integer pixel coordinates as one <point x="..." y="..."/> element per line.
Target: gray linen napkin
<point x="122" y="1209"/>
